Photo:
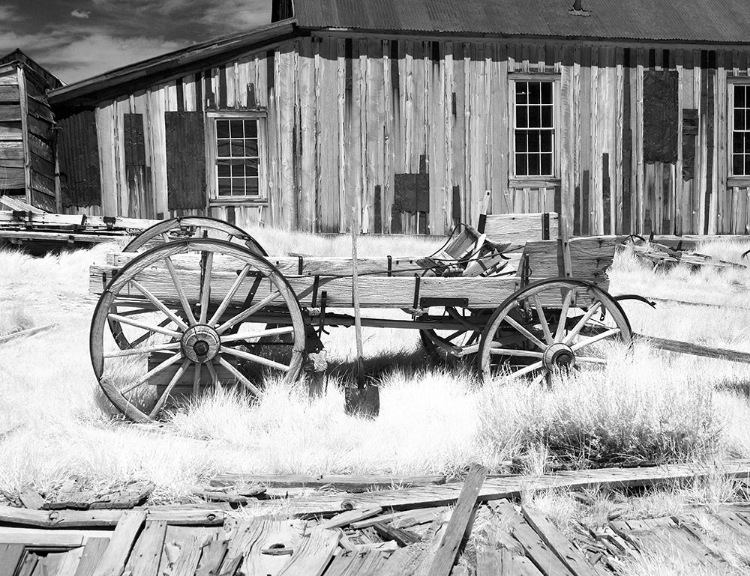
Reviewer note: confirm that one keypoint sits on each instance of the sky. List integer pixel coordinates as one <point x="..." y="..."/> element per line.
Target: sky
<point x="77" y="39"/>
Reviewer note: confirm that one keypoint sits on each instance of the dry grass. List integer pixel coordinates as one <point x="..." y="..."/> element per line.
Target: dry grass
<point x="649" y="406"/>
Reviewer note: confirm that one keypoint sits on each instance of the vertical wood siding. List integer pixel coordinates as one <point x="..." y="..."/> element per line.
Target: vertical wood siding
<point x="408" y="134"/>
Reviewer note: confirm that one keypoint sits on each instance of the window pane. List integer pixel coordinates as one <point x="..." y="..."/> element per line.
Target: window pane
<point x="535" y="117"/>
<point x="238" y="168"/>
<point x="251" y="167"/>
<point x="739" y="120"/>
<point x="739" y="96"/>
<point x="225" y="187"/>
<point x="522" y="117"/>
<point x="533" y="141"/>
<point x="746" y="148"/>
<point x="535" y="90"/>
<point x="224" y="169"/>
<point x="547" y="141"/>
<point x="521" y="165"/>
<point x="522" y="92"/>
<point x="547" y="92"/>
<point x="547" y="116"/>
<point x="534" y="165"/>
<point x="738" y="142"/>
<point x="251" y="128"/>
<point x="222" y="128"/>
<point x="222" y="149"/>
<point x="238" y="186"/>
<point x="251" y="148"/>
<point x="521" y="141"/>
<point x="547" y="164"/>
<point x="236" y="128"/>
<point x="252" y="186"/>
<point x="238" y="149"/>
<point x="747" y="166"/>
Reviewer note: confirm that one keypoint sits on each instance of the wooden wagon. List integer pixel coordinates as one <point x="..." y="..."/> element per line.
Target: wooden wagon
<point x="195" y="302"/>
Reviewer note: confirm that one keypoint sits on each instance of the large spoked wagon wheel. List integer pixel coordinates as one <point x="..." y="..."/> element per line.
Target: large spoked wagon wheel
<point x="193" y="227"/>
<point x="184" y="228"/>
<point x="195" y="313"/>
<point x="551" y="326"/>
<point x="459" y="343"/>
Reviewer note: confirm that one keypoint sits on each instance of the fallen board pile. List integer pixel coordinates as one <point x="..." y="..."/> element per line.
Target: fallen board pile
<point x="423" y="539"/>
<point x="663" y="257"/>
<point x="21" y="223"/>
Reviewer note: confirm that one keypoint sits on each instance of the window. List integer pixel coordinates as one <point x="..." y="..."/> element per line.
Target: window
<point x="236" y="156"/>
<point x="740" y="141"/>
<point x="534" y="128"/>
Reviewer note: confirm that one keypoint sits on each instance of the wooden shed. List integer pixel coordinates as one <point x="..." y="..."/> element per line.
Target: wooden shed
<point x="27" y="160"/>
<point x="621" y="116"/>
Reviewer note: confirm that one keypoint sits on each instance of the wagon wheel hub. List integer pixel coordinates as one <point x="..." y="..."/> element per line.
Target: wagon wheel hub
<point x="200" y="343"/>
<point x="558" y="355"/>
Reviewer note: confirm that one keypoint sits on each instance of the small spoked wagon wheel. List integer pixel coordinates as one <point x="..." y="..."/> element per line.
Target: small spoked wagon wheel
<point x="194" y="313"/>
<point x="193" y="227"/>
<point x="461" y="341"/>
<point x="188" y="227"/>
<point x="551" y="326"/>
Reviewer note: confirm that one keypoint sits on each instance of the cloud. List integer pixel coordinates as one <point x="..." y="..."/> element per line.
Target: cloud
<point x="80" y="13"/>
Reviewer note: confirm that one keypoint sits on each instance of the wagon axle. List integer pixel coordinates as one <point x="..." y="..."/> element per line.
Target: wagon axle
<point x="201" y="343"/>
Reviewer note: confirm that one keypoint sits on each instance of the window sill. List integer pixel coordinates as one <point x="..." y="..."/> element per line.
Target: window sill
<point x="239" y="201"/>
<point x="534" y="182"/>
<point x="738" y="181"/>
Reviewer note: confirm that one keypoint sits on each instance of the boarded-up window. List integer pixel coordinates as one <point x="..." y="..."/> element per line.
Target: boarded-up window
<point x="660" y="116"/>
<point x="186" y="162"/>
<point x="78" y="155"/>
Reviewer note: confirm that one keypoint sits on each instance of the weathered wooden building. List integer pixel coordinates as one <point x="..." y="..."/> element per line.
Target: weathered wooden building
<point x="622" y="116"/>
<point x="27" y="159"/>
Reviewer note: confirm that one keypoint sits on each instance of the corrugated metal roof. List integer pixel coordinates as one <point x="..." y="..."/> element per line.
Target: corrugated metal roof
<point x="723" y="21"/>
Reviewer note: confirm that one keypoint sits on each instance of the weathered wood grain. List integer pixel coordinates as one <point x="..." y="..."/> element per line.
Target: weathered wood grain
<point x="120" y="545"/>
<point x="314" y="553"/>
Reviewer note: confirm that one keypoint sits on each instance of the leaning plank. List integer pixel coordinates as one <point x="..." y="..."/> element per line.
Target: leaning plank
<point x="121" y="543"/>
<point x="144" y="560"/>
<point x="346" y="483"/>
<point x="313" y="555"/>
<point x="459" y="522"/>
<point x="28" y="332"/>
<point x="93" y="551"/>
<point x="406" y="561"/>
<point x="346" y="518"/>
<point x="558" y="543"/>
<point x="10" y="556"/>
<point x="402" y="519"/>
<point x="696" y="350"/>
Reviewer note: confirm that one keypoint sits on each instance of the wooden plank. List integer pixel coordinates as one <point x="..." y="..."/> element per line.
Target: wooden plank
<point x="146" y="554"/>
<point x="34" y="537"/>
<point x="521" y="227"/>
<point x="67" y="562"/>
<point x="93" y="550"/>
<point x="459" y="523"/>
<point x="59" y="518"/>
<point x="346" y="518"/>
<point x="308" y="105"/>
<point x="313" y="555"/>
<point x="417" y="557"/>
<point x="537" y="551"/>
<point x="347" y="483"/>
<point x="558" y="543"/>
<point x="114" y="558"/>
<point x="10" y="556"/>
<point x="697" y="350"/>
<point x="402" y="519"/>
<point x="271" y="551"/>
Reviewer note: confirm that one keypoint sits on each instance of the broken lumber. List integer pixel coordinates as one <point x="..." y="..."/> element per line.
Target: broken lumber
<point x="696" y="349"/>
<point x="27" y="332"/>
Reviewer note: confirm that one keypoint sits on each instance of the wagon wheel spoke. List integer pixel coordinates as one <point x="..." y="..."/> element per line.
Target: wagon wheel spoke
<point x="141" y="339"/>
<point x="180" y="292"/>
<point x="528" y="335"/>
<point x="208" y="261"/>
<point x="163" y="398"/>
<point x="159" y="304"/>
<point x="590" y="360"/>
<point x="543" y="375"/>
<point x="143" y="325"/>
<point x="242" y="316"/>
<point x="564" y="314"/>
<point x="253" y="358"/>
<point x="145" y="378"/>
<point x="239" y="375"/>
<point x="228" y="298"/>
<point x="258" y="334"/>
<point x="588" y="341"/>
<point x="513" y="352"/>
<point x="145" y="350"/>
<point x="582" y="322"/>
<point x="212" y="372"/>
<point x="527" y="370"/>
<point x="196" y="378"/>
<point x="543" y="320"/>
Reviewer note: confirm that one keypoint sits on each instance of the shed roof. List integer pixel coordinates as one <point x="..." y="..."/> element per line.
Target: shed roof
<point x="722" y="21"/>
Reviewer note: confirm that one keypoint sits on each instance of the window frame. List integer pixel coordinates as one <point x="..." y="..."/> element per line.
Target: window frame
<point x="212" y="171"/>
<point x="733" y="179"/>
<point x="530" y="180"/>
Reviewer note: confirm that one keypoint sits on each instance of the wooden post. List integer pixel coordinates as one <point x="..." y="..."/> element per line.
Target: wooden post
<point x="364" y="400"/>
